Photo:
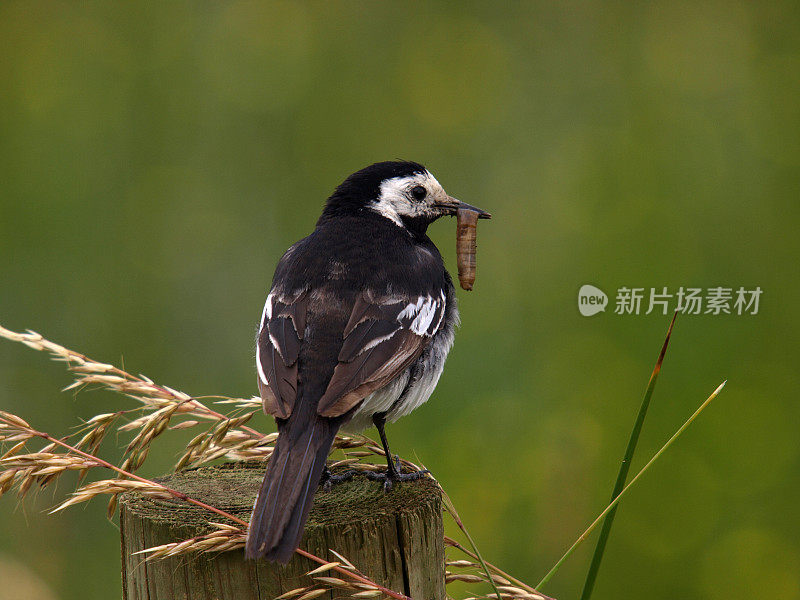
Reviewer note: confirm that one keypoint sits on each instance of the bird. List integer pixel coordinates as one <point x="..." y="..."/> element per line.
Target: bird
<point x="354" y="332"/>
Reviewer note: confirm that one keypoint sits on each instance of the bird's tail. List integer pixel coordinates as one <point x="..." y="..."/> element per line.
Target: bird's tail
<point x="292" y="477"/>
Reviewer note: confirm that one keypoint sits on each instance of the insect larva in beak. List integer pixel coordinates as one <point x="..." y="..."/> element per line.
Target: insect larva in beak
<point x="466" y="246"/>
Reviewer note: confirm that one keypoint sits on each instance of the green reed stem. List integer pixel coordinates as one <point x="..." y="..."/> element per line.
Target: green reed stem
<point x="619" y="496"/>
<point x="622" y="476"/>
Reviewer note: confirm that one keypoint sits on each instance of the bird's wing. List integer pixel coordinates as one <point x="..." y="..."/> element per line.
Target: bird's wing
<point x="382" y="338"/>
<point x="280" y="334"/>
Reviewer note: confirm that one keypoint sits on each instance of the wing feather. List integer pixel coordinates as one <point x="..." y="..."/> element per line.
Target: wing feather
<point x="367" y="335"/>
<point x="277" y="350"/>
<point x="382" y="338"/>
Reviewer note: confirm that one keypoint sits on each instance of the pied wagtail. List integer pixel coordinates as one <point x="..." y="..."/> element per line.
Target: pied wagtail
<point x="354" y="332"/>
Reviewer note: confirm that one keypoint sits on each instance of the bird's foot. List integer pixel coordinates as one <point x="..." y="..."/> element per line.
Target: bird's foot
<point x="330" y="479"/>
<point x="394" y="473"/>
<point x="389" y="478"/>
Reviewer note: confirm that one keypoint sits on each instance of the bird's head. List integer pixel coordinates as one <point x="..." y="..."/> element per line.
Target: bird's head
<point x="402" y="191"/>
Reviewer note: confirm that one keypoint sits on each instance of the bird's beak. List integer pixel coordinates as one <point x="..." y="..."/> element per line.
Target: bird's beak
<point x="451" y="206"/>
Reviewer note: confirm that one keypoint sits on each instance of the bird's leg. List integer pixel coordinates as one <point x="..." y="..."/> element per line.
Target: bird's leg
<point x="329" y="478"/>
<point x="393" y="468"/>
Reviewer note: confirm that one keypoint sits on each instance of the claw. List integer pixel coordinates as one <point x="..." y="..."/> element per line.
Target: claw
<point x="330" y="479"/>
<point x="389" y="477"/>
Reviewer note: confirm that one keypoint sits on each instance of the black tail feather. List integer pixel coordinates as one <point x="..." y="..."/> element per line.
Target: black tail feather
<point x="287" y="492"/>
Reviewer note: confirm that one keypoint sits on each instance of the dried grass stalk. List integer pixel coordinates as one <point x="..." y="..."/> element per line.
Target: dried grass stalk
<point x="227" y="435"/>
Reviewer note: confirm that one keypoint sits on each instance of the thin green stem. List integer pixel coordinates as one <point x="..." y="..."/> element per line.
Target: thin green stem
<point x="622" y="476"/>
<point x="619" y="496"/>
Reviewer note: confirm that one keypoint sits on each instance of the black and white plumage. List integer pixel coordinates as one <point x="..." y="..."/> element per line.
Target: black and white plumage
<point x="355" y="331"/>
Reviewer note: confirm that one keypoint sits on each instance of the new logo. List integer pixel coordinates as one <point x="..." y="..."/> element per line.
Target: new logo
<point x="591" y="300"/>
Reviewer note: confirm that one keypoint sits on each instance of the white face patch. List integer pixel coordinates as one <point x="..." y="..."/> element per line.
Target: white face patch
<point x="396" y="201"/>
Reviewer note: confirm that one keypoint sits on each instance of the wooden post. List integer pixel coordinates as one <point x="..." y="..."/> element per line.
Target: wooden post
<point x="394" y="538"/>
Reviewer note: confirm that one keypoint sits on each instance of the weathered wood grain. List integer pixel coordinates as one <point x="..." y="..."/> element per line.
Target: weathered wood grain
<point x="395" y="538"/>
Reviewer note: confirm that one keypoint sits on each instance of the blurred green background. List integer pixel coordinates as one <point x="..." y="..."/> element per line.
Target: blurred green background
<point x="157" y="158"/>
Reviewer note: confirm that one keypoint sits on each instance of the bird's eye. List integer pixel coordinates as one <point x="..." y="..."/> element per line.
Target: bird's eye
<point x="419" y="192"/>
